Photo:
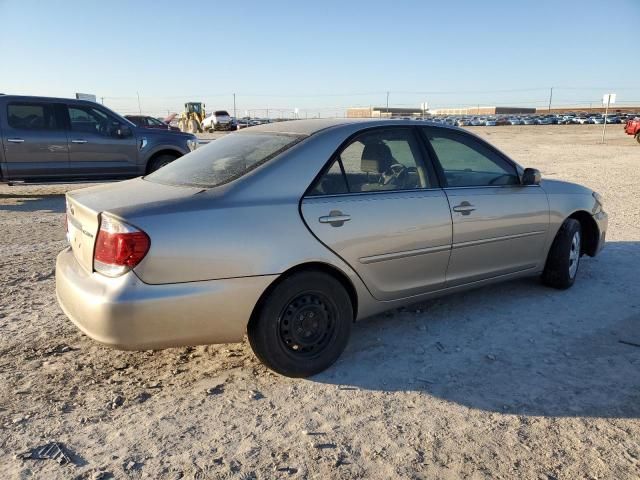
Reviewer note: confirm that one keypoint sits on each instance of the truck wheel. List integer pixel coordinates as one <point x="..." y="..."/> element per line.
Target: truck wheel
<point x="564" y="256"/>
<point x="192" y="126"/>
<point x="303" y="326"/>
<point x="638" y="137"/>
<point x="160" y="161"/>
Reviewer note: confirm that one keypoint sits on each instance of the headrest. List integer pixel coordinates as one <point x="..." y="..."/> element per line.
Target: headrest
<point x="376" y="158"/>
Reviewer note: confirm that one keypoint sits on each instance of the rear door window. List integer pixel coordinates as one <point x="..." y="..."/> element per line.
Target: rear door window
<point x="32" y="116"/>
<point x="378" y="160"/>
<point x="332" y="182"/>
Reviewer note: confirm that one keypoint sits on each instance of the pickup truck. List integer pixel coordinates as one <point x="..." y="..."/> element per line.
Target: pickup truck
<point x="58" y="139"/>
<point x="632" y="127"/>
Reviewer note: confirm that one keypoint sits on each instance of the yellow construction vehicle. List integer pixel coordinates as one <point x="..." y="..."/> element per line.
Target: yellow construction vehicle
<point x="191" y="119"/>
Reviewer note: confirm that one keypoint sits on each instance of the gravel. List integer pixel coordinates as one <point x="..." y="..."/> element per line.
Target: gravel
<point x="514" y="381"/>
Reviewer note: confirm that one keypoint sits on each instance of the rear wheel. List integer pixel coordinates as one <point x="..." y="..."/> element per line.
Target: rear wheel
<point x="638" y="137"/>
<point x="303" y="325"/>
<point x="564" y="256"/>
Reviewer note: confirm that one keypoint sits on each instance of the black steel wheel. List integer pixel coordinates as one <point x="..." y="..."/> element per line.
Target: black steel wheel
<point x="307" y="323"/>
<point x="303" y="325"/>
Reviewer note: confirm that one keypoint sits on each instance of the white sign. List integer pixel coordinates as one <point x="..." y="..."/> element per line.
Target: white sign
<point x="608" y="98"/>
<point x="86" y="96"/>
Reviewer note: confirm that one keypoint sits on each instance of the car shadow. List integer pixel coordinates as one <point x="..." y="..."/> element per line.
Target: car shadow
<point x="33" y="202"/>
<point x="516" y="347"/>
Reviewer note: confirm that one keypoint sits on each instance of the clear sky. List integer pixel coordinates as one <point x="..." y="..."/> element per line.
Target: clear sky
<point x="321" y="56"/>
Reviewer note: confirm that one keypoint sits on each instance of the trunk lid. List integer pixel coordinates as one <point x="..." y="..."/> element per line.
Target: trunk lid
<point x="84" y="207"/>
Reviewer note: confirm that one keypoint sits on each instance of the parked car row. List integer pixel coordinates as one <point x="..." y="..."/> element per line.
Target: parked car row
<point x="550" y="119"/>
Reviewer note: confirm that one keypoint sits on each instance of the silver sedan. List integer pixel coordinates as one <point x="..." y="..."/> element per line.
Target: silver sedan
<point x="291" y="231"/>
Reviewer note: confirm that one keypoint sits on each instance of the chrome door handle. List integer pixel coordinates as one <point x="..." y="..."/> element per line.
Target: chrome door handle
<point x="15" y="140"/>
<point x="465" y="208"/>
<point x="78" y="141"/>
<point x="335" y="218"/>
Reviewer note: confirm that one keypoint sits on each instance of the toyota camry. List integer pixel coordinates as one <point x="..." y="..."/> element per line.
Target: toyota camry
<point x="289" y="232"/>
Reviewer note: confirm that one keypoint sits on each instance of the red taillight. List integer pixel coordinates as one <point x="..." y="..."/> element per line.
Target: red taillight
<point x="119" y="247"/>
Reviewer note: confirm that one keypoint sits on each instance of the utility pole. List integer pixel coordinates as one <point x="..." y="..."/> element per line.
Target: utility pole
<point x="387" y="104"/>
<point x="139" y="107"/>
<point x="234" y="105"/>
<point x="550" y="98"/>
<point x="102" y="100"/>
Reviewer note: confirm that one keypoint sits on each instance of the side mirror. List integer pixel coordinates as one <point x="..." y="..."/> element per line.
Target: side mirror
<point x="531" y="176"/>
<point x="123" y="131"/>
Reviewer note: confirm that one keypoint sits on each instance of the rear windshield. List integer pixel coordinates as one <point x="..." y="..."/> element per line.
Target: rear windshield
<point x="221" y="112"/>
<point x="224" y="160"/>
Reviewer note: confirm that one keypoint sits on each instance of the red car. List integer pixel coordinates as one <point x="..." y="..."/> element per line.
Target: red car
<point x="632" y="127"/>
<point x="145" y="121"/>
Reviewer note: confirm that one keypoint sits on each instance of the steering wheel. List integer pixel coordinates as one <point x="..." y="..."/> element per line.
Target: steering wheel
<point x="103" y="127"/>
<point x="394" y="174"/>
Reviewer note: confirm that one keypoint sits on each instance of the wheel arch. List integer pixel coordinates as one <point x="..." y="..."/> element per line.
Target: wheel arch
<point x="309" y="267"/>
<point x="163" y="151"/>
<point x="590" y="231"/>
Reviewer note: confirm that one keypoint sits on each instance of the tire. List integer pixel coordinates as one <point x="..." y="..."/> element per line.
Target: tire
<point x="160" y="161"/>
<point x="562" y="264"/>
<point x="638" y="137"/>
<point x="303" y="325"/>
<point x="192" y="126"/>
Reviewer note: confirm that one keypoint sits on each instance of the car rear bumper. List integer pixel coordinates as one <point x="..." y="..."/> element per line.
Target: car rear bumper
<point x="126" y="313"/>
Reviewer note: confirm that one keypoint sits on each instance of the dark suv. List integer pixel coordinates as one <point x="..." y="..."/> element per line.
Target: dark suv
<point x="62" y="139"/>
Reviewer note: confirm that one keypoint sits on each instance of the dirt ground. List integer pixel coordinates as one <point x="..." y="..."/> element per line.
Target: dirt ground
<point x="510" y="381"/>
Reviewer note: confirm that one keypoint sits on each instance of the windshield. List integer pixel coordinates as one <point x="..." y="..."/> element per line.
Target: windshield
<point x="224" y="160"/>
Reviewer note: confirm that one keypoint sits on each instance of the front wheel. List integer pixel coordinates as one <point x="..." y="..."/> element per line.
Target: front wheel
<point x="564" y="256"/>
<point x="638" y="137"/>
<point x="192" y="126"/>
<point x="159" y="162"/>
<point x="303" y="325"/>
